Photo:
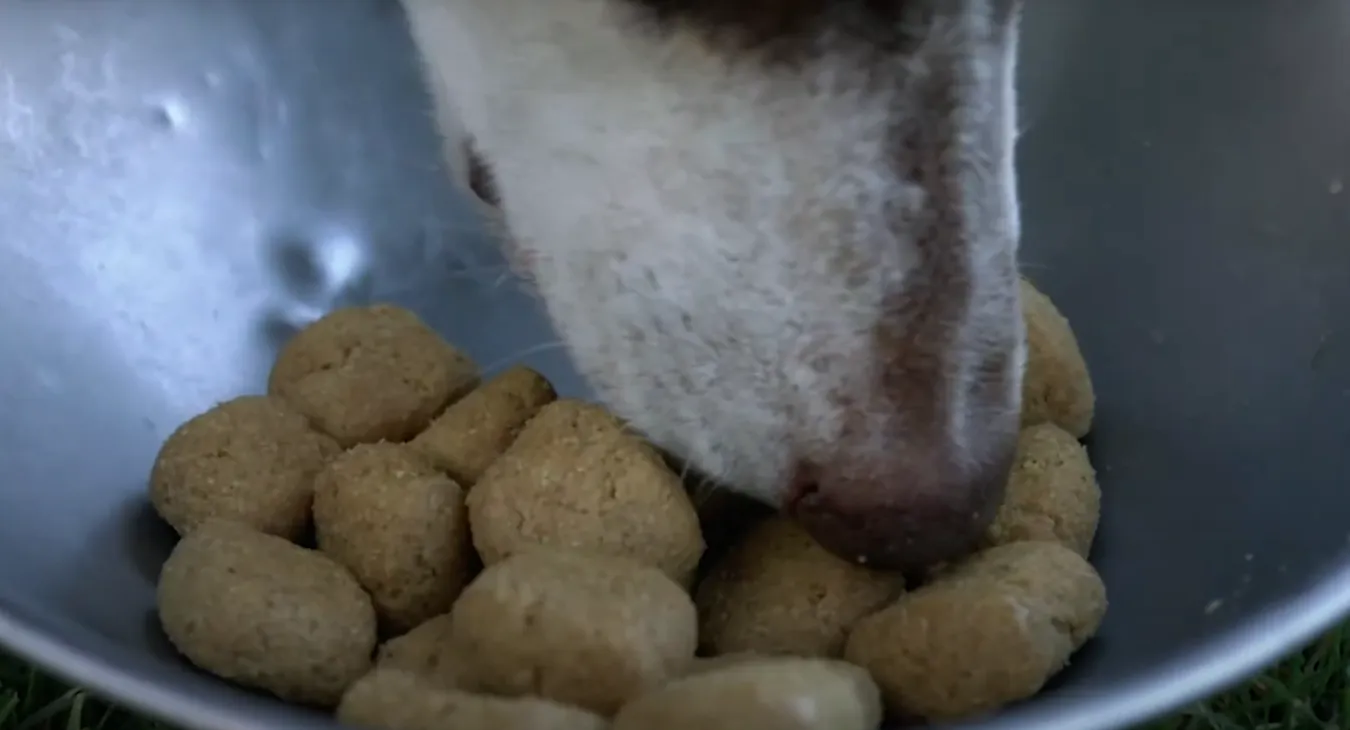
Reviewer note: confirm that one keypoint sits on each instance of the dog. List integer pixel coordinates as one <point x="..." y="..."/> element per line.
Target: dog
<point x="779" y="237"/>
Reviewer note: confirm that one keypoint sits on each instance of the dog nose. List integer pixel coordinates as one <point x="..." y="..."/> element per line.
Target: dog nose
<point x="908" y="517"/>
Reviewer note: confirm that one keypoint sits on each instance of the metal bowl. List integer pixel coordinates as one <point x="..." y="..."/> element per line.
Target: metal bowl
<point x="185" y="182"/>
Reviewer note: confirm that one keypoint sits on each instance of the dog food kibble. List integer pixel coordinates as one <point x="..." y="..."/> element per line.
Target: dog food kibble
<point x="474" y="431"/>
<point x="399" y="525"/>
<point x="251" y="459"/>
<point x="765" y="694"/>
<point x="393" y="700"/>
<point x="426" y="651"/>
<point x="588" y="630"/>
<point x="1052" y="493"/>
<point x="576" y="478"/>
<point x="778" y="592"/>
<point x="268" y="614"/>
<point x="366" y="374"/>
<point x="989" y="632"/>
<point x="530" y="562"/>
<point x="1056" y="387"/>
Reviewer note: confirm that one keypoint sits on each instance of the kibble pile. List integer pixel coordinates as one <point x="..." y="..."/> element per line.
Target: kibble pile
<point x="387" y="537"/>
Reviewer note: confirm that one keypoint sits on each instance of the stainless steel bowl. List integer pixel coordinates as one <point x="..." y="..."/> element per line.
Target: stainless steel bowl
<point x="185" y="182"/>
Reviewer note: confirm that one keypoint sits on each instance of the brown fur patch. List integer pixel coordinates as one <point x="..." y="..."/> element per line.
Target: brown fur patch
<point x="781" y="28"/>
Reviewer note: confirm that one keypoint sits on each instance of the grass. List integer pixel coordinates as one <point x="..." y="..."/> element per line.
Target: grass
<point x="1308" y="691"/>
<point x="31" y="700"/>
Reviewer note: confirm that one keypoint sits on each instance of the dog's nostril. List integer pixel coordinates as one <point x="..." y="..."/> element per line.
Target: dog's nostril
<point x="902" y="524"/>
<point x="481" y="181"/>
<point x="805" y="484"/>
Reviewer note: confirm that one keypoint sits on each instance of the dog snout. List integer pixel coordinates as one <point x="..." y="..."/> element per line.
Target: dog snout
<point x="906" y="514"/>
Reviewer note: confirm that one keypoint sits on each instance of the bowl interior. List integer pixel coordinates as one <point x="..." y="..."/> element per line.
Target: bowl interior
<point x="183" y="183"/>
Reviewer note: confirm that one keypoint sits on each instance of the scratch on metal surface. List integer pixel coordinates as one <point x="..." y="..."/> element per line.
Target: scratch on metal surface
<point x="21" y="127"/>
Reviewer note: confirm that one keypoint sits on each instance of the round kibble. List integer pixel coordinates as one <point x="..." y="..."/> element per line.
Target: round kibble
<point x="399" y="525"/>
<point x="587" y="630"/>
<point x="265" y="613"/>
<point x="368" y="374"/>
<point x="251" y="459"/>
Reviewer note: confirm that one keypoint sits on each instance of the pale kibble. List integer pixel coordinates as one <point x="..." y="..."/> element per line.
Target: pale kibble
<point x="251" y="459"/>
<point x="428" y="653"/>
<point x="399" y="525"/>
<point x="588" y="630"/>
<point x="1057" y="579"/>
<point x="767" y="694"/>
<point x="1056" y="387"/>
<point x="779" y="592"/>
<point x="389" y="699"/>
<point x="368" y="374"/>
<point x="990" y="632"/>
<point x="465" y="439"/>
<point x="575" y="478"/>
<point x="1052" y="492"/>
<point x="262" y="612"/>
<point x="591" y="543"/>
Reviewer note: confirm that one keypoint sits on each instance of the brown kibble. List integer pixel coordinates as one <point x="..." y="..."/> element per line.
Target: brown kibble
<point x="251" y="460"/>
<point x="367" y="374"/>
<point x="768" y="694"/>
<point x="575" y="478"/>
<point x="257" y="610"/>
<point x="1052" y="492"/>
<point x="393" y="700"/>
<point x="399" y="525"/>
<point x="587" y="630"/>
<point x="427" y="652"/>
<point x="778" y="592"/>
<point x="474" y="431"/>
<point x="990" y="632"/>
<point x="1056" y="387"/>
<point x="1058" y="579"/>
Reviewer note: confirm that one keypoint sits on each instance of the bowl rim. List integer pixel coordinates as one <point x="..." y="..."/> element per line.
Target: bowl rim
<point x="1220" y="663"/>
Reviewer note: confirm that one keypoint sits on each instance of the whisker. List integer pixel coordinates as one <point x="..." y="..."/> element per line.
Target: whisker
<point x="482" y="271"/>
<point x="704" y="491"/>
<point x="1025" y="126"/>
<point x="502" y="363"/>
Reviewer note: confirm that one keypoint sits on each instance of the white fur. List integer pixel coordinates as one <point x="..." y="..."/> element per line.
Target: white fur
<point x="713" y="237"/>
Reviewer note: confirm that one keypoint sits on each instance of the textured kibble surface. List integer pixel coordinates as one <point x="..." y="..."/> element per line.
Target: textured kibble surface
<point x="1049" y="575"/>
<point x="575" y="478"/>
<point x="257" y="610"/>
<point x="476" y="429"/>
<point x="1056" y="387"/>
<point x="1052" y="492"/>
<point x="530" y="561"/>
<point x="778" y="592"/>
<point x="251" y="459"/>
<point x="426" y="652"/>
<point x="399" y="525"/>
<point x="587" y="630"/>
<point x="989" y="633"/>
<point x="777" y="694"/>
<point x="393" y="700"/>
<point x="367" y="374"/>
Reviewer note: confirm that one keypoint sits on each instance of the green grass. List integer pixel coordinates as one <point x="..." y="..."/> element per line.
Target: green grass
<point x="31" y="700"/>
<point x="1308" y="691"/>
